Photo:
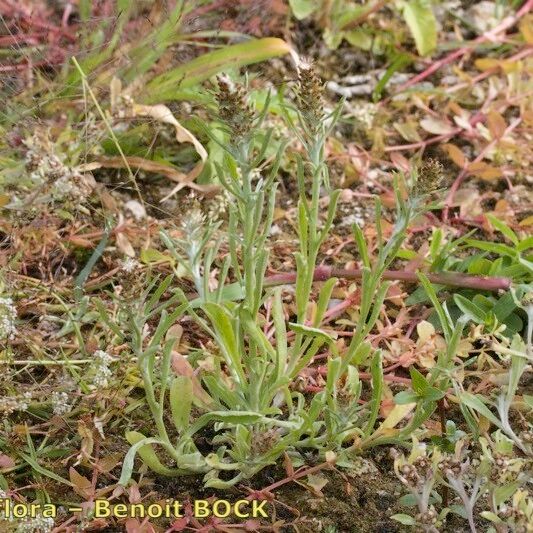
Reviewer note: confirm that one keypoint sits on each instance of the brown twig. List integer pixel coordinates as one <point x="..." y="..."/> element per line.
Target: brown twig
<point x="452" y="279"/>
<point x="465" y="171"/>
<point x="477" y="118"/>
<point x="507" y="23"/>
<point x="302" y="472"/>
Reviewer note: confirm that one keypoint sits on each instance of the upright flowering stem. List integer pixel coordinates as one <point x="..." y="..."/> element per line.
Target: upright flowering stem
<point x="312" y="171"/>
<point x="250" y="222"/>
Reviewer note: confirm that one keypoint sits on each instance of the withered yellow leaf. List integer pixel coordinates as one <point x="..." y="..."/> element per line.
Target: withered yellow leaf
<point x="496" y="124"/>
<point x="528" y="221"/>
<point x="456" y="155"/>
<point x="526" y="28"/>
<point x="489" y="63"/>
<point x="484" y="171"/>
<point x="436" y="126"/>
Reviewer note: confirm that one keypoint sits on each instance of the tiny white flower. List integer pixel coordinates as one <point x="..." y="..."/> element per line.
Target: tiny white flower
<point x="8" y="315"/>
<point x="130" y="264"/>
<point x="364" y="113"/>
<point x="38" y="524"/>
<point x="101" y="378"/>
<point x="103" y="357"/>
<point x="102" y="373"/>
<point x="10" y="404"/>
<point x="60" y="403"/>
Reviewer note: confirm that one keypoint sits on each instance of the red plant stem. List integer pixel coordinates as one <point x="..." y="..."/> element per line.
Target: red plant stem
<point x="27" y="64"/>
<point x="520" y="55"/>
<point x="33" y="21"/>
<point x="323" y="371"/>
<point x="488" y="36"/>
<point x="302" y="472"/>
<point x="465" y="171"/>
<point x="479" y="117"/>
<point x="12" y="40"/>
<point x="452" y="279"/>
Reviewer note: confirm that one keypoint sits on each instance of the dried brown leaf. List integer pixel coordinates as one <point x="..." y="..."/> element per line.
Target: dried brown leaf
<point x="526" y="28"/>
<point x="484" y="171"/>
<point x="184" y="180"/>
<point x="436" y="126"/>
<point x="6" y="461"/>
<point x="496" y="124"/>
<point x="124" y="245"/>
<point x="80" y="484"/>
<point x="456" y="155"/>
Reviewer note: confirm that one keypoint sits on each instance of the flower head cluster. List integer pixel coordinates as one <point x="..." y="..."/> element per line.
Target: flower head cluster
<point x="364" y="113"/>
<point x="10" y="404"/>
<point x="193" y="226"/>
<point x="234" y="109"/>
<point x="451" y="467"/>
<point x="60" y="403"/>
<point x="416" y="470"/>
<point x="527" y="436"/>
<point x="71" y="185"/>
<point x="264" y="441"/>
<point x="519" y="512"/>
<point x="430" y="178"/>
<point x="46" y="168"/>
<point x="122" y="106"/>
<point x="102" y="372"/>
<point x="428" y="518"/>
<point x="130" y="265"/>
<point x="218" y="205"/>
<point x="310" y="97"/>
<point x="39" y="524"/>
<point x="8" y="315"/>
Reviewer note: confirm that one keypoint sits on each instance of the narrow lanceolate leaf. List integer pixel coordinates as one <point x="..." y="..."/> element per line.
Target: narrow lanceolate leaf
<point x="181" y="395"/>
<point x="44" y="471"/>
<point x="308" y="330"/>
<point x="404" y="519"/>
<point x="222" y="323"/>
<point x="377" y="391"/>
<point x="398" y="413"/>
<point x="503" y="228"/>
<point x="142" y="446"/>
<point x="168" y="85"/>
<point x="303" y="8"/>
<point x="422" y="23"/>
<point x="475" y="403"/>
<point x="229" y="417"/>
<point x="470" y="309"/>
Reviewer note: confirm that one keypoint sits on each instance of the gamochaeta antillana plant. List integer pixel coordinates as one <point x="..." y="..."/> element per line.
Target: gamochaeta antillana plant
<point x="246" y="385"/>
<point x="485" y="474"/>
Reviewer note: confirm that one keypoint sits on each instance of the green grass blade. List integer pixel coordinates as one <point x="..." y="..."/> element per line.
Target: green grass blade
<point x="166" y="85"/>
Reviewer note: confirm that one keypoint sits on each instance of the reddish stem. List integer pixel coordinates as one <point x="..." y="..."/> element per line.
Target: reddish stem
<point x="323" y="371"/>
<point x="507" y="23"/>
<point x="465" y="171"/>
<point x="453" y="279"/>
<point x="479" y="117"/>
